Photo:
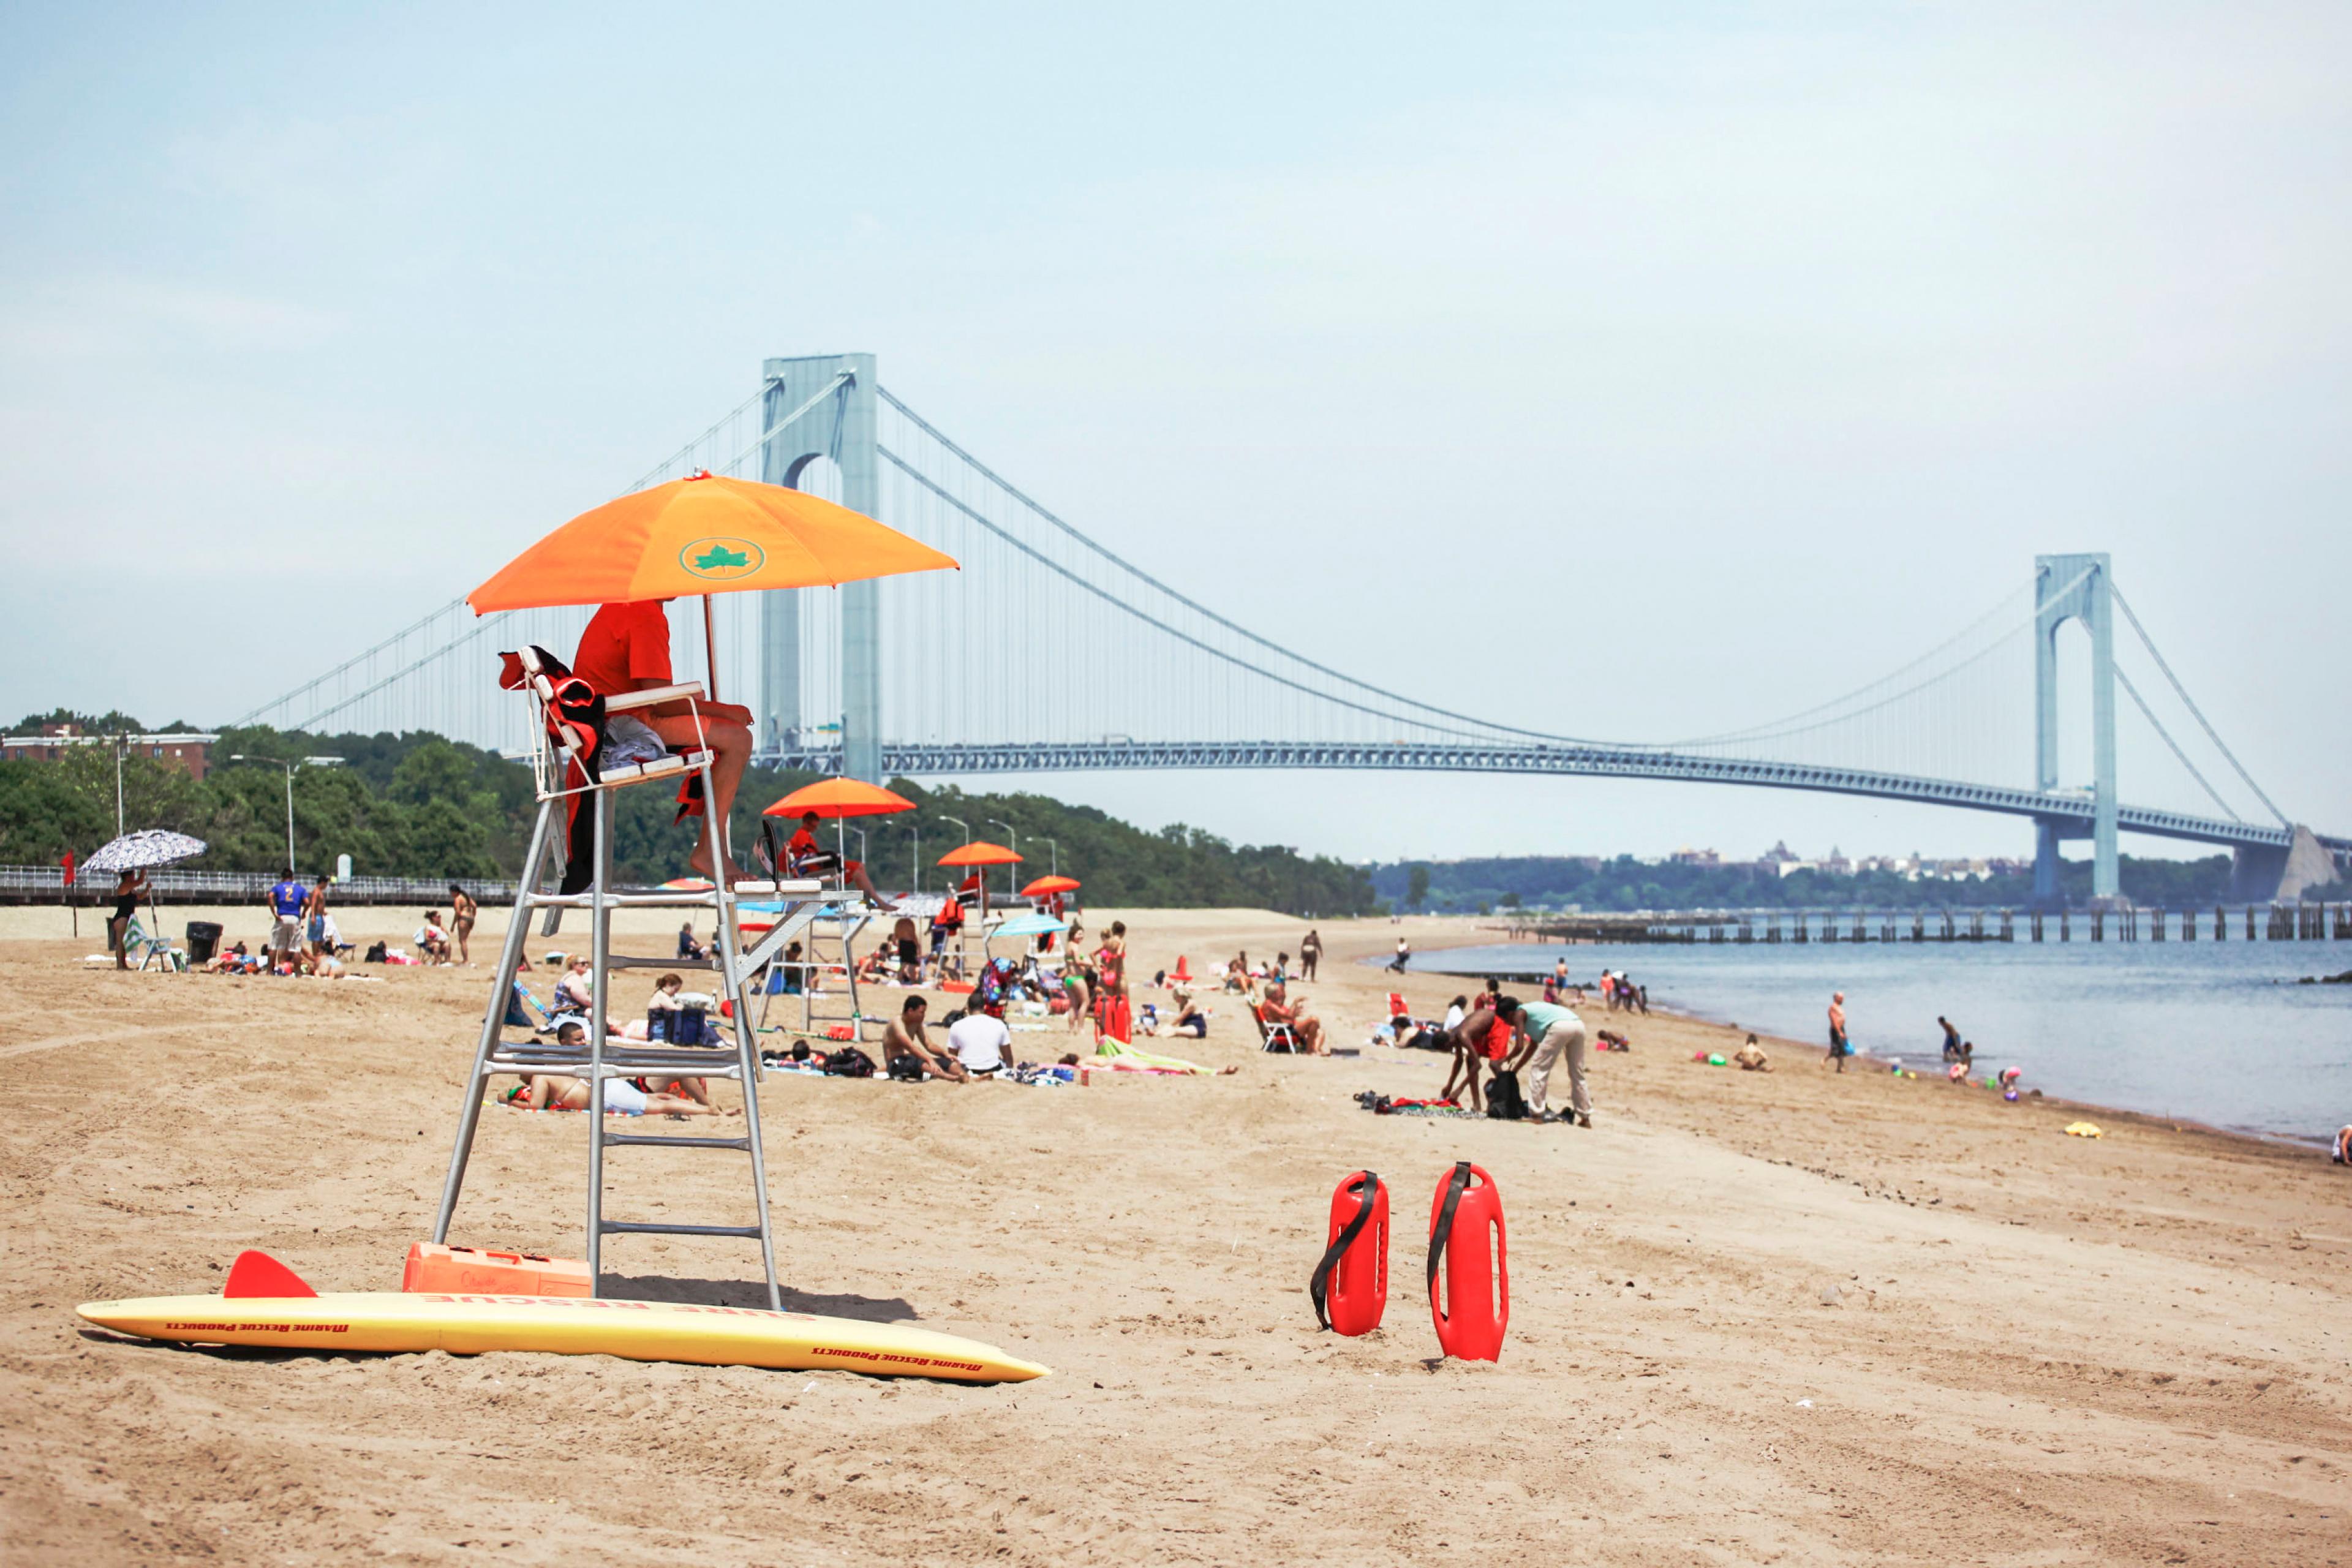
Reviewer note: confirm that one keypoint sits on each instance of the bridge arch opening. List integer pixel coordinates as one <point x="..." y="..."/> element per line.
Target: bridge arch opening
<point x="813" y="473"/>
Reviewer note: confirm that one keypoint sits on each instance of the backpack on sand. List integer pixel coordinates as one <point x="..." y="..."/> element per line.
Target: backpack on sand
<point x="1504" y="1101"/>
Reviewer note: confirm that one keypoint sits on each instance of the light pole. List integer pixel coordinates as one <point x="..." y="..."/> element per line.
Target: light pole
<point x="960" y="822"/>
<point x="861" y="842"/>
<point x="291" y="769"/>
<point x="1056" y="845"/>
<point x="915" y="859"/>
<point x="1012" y="842"/>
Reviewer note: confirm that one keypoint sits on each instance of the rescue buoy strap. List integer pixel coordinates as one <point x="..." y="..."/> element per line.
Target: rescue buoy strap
<point x="1443" y="1231"/>
<point x="1320" y="1285"/>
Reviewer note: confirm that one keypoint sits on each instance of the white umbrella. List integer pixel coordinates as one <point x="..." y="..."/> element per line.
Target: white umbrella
<point x="145" y="850"/>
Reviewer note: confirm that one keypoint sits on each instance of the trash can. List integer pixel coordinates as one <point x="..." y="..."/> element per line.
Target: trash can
<point x="204" y="939"/>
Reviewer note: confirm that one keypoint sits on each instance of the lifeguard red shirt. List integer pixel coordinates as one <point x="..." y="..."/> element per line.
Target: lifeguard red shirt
<point x="624" y="644"/>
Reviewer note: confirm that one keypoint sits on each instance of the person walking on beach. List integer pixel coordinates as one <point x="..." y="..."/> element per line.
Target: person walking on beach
<point x="1311" y="954"/>
<point x="1839" y="1048"/>
<point x="462" y="910"/>
<point x="1951" y="1038"/>
<point x="624" y="649"/>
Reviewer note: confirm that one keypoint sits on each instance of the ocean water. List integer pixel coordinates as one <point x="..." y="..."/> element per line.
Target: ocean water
<point x="2214" y="1032"/>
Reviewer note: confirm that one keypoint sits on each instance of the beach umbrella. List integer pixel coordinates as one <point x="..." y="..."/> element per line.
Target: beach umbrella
<point x="977" y="854"/>
<point x="143" y="851"/>
<point x="703" y="534"/>
<point x="1045" y="886"/>
<point x="980" y="852"/>
<point x="1028" y="922"/>
<point x="839" y="798"/>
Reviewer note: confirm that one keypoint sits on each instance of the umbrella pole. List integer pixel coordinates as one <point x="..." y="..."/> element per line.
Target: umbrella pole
<point x="710" y="650"/>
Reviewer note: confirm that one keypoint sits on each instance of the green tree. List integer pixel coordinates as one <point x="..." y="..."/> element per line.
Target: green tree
<point x="1416" y="888"/>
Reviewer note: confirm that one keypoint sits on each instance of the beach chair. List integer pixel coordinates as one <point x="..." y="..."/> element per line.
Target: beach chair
<point x="1274" y="1037"/>
<point x="147" y="950"/>
<point x="570" y="785"/>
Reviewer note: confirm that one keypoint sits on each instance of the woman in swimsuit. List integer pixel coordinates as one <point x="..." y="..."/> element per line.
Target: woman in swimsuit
<point x="462" y="910"/>
<point x="127" y="894"/>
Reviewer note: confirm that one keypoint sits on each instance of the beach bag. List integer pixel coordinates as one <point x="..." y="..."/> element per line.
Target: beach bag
<point x="1505" y="1102"/>
<point x="848" y="1062"/>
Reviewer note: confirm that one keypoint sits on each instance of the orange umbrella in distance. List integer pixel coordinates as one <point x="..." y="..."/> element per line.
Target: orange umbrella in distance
<point x="1046" y="885"/>
<point x="703" y="535"/>
<point x="981" y="852"/>
<point x="840" y="797"/>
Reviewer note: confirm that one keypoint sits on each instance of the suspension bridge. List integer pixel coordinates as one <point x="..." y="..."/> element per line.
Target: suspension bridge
<point x="848" y="681"/>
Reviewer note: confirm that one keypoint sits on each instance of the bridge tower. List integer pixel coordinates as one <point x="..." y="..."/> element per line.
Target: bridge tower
<point x="2069" y="588"/>
<point x="842" y="427"/>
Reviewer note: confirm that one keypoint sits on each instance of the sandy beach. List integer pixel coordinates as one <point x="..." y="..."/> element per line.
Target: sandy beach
<point x="1783" y="1318"/>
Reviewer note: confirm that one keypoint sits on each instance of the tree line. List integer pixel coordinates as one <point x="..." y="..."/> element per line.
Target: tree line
<point x="418" y="805"/>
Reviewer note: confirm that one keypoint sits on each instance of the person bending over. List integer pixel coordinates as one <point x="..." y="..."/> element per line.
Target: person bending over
<point x="625" y="648"/>
<point x="903" y="1040"/>
<point x="2342" y="1152"/>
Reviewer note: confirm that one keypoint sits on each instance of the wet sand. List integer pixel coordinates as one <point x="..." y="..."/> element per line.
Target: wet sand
<point x="1795" y="1317"/>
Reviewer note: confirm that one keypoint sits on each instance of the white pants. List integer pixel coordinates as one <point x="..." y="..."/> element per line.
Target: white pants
<point x="1561" y="1037"/>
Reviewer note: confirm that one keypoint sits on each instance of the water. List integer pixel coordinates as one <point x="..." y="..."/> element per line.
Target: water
<point x="2213" y="1032"/>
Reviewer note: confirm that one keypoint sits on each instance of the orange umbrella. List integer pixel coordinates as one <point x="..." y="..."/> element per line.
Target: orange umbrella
<point x="840" y="797"/>
<point x="982" y="853"/>
<point x="1046" y="885"/>
<point x="703" y="535"/>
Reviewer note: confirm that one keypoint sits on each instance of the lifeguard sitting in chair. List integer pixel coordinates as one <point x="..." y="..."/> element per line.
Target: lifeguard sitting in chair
<point x="624" y="649"/>
<point x="804" y="856"/>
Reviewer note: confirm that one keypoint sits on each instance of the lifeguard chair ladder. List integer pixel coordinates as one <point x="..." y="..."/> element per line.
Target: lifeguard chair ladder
<point x="599" y="1060"/>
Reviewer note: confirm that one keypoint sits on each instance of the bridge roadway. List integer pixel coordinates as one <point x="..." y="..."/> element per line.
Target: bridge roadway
<point x="2068" y="808"/>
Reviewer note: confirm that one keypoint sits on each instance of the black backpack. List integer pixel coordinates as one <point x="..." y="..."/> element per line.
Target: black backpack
<point x="848" y="1062"/>
<point x="1504" y="1101"/>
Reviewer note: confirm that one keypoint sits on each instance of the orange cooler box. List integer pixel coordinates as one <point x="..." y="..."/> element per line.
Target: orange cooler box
<point x="462" y="1270"/>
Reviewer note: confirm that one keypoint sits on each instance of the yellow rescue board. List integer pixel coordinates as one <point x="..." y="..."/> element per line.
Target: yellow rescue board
<point x="561" y="1325"/>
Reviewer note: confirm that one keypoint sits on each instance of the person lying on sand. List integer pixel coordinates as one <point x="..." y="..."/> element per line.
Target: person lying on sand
<point x="1752" y="1058"/>
<point x="554" y="1092"/>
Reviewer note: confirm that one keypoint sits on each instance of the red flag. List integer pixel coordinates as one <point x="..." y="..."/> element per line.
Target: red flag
<point x="68" y="864"/>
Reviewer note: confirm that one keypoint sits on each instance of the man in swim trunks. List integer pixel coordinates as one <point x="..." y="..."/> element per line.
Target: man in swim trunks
<point x="1951" y="1038"/>
<point x="902" y="1039"/>
<point x="625" y="648"/>
<point x="462" y="910"/>
<point x="804" y="857"/>
<point x="1839" y="1048"/>
<point x="1483" y="1037"/>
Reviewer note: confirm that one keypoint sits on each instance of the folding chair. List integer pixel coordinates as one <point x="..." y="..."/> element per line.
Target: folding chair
<point x="1275" y="1037"/>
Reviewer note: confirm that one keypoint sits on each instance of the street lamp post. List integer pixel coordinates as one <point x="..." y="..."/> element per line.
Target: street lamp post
<point x="1056" y="845"/>
<point x="1012" y="842"/>
<point x="291" y="769"/>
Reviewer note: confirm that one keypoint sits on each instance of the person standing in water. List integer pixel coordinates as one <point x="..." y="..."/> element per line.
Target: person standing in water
<point x="1839" y="1048"/>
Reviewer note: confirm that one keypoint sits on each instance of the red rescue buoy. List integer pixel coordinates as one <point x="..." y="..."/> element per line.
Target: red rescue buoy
<point x="1350" y="1286"/>
<point x="1465" y="1232"/>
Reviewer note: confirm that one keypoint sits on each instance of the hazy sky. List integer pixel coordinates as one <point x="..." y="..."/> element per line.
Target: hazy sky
<point x="1716" y="359"/>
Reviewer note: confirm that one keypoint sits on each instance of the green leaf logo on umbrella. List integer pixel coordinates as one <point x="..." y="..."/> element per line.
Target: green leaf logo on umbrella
<point x="720" y="560"/>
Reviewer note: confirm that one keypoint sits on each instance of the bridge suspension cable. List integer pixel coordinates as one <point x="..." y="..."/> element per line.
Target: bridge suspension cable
<point x="2190" y="703"/>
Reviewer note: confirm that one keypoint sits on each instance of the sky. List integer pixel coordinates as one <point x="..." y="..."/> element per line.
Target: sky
<point x="1615" y="369"/>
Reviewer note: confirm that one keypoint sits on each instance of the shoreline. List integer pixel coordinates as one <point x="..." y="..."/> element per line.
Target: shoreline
<point x="2317" y="1143"/>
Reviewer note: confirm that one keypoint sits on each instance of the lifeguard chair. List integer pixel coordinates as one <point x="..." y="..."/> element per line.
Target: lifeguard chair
<point x="570" y="779"/>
